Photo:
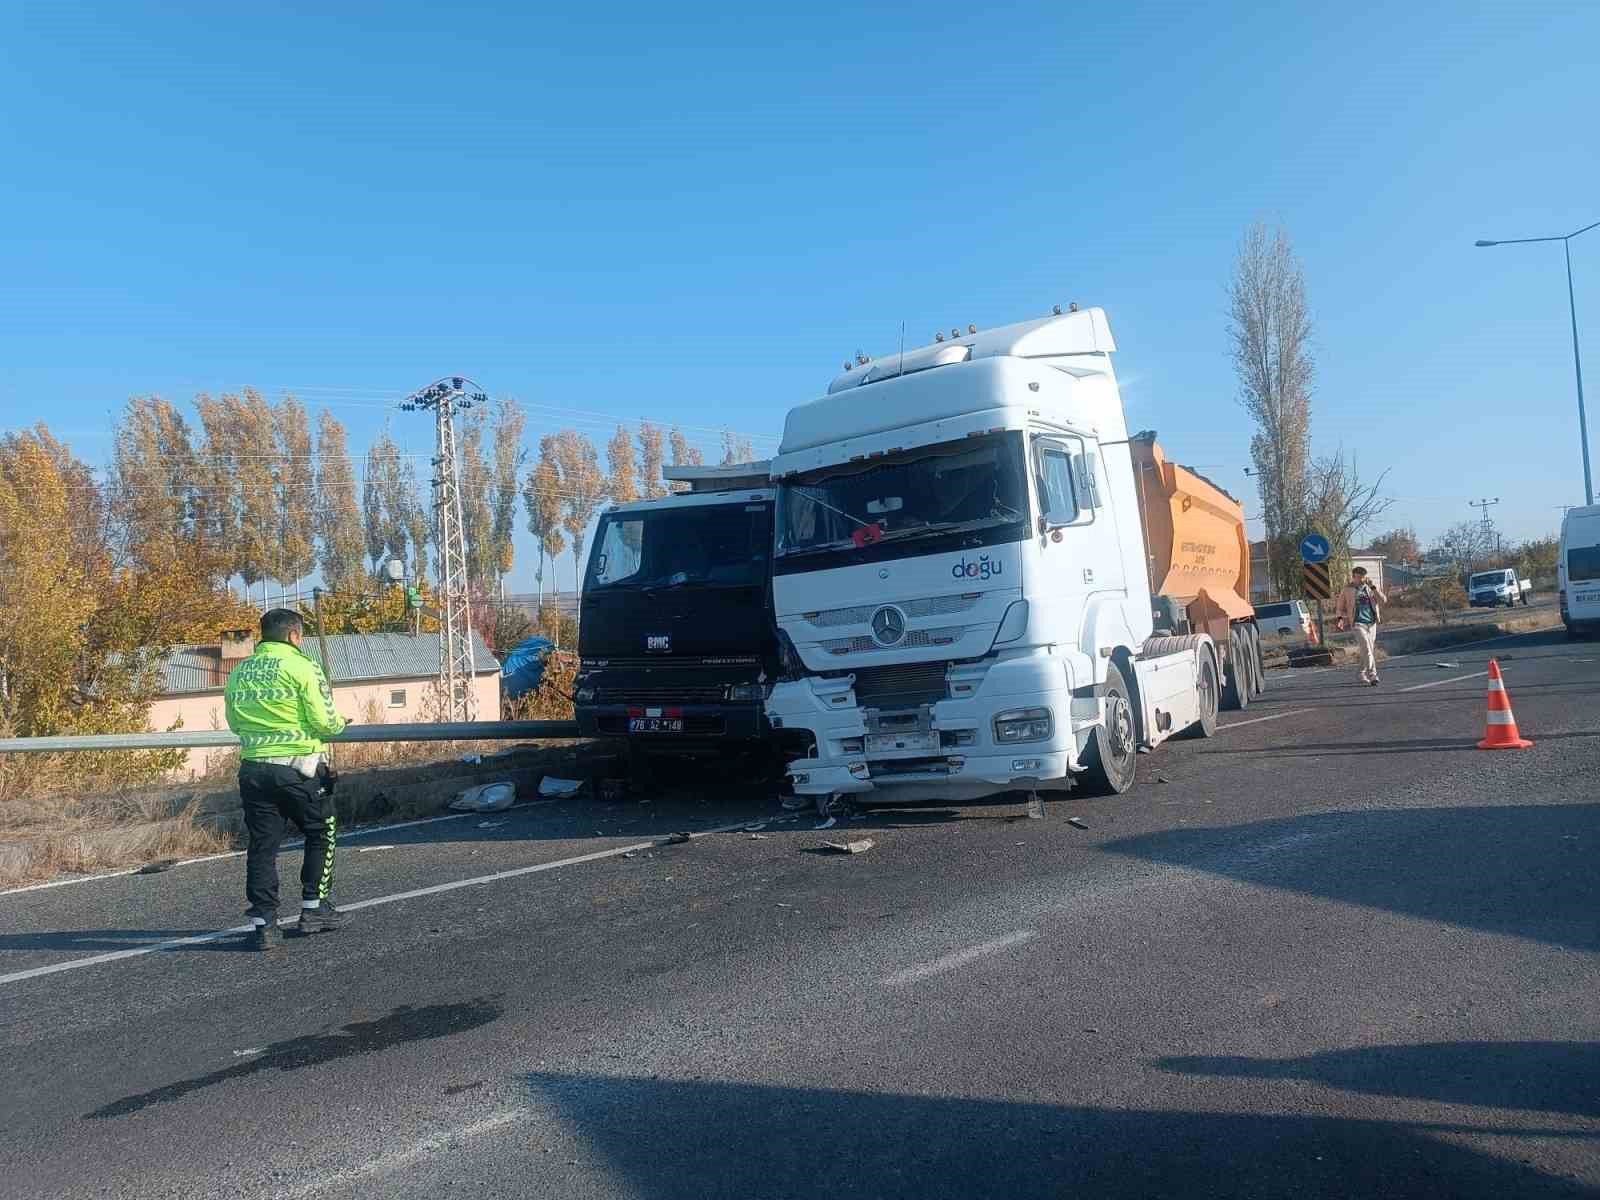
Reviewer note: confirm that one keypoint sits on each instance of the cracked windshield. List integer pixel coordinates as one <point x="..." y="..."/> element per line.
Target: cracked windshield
<point x="969" y="486"/>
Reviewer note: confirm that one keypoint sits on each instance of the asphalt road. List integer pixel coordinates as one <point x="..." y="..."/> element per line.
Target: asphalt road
<point x="1334" y="951"/>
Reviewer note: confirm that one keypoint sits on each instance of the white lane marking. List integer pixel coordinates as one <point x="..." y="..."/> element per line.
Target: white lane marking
<point x="362" y="831"/>
<point x="1293" y="712"/>
<point x="959" y="958"/>
<point x="1417" y="687"/>
<point x="475" y="881"/>
<point x="388" y="1163"/>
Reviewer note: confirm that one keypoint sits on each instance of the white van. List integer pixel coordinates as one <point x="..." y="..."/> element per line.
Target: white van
<point x="1578" y="570"/>
<point x="1490" y="589"/>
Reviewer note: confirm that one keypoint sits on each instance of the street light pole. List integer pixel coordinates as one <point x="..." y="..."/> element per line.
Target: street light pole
<point x="1577" y="362"/>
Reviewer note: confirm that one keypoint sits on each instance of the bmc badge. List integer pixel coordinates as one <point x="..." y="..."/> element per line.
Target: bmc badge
<point x="658" y="643"/>
<point x="982" y="569"/>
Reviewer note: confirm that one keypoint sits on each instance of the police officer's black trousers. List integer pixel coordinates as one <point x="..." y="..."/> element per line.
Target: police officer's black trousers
<point x="274" y="797"/>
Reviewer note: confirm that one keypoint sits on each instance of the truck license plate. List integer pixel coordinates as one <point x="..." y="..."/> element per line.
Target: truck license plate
<point x="877" y="743"/>
<point x="655" y="724"/>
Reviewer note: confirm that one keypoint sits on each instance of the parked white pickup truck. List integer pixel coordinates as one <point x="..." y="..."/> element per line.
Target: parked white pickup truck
<point x="1490" y="589"/>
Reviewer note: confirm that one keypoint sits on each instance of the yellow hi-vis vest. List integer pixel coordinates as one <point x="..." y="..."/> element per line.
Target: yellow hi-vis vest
<point x="279" y="703"/>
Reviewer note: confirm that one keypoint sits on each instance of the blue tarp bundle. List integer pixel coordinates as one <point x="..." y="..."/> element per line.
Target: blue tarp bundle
<point x="523" y="668"/>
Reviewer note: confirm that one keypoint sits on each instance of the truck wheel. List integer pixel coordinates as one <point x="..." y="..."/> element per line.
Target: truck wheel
<point x="1110" y="756"/>
<point x="1236" y="691"/>
<point x="1253" y="659"/>
<point x="1206" y="691"/>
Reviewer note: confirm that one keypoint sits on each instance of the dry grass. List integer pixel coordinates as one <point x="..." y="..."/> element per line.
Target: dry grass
<point x="188" y="833"/>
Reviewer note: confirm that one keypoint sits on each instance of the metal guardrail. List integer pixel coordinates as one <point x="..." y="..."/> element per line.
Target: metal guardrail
<point x="443" y="731"/>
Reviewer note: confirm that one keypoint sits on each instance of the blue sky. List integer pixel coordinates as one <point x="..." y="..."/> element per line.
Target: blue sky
<point x="696" y="212"/>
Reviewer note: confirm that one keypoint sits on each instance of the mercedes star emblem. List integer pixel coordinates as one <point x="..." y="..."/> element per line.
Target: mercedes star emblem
<point x="888" y="625"/>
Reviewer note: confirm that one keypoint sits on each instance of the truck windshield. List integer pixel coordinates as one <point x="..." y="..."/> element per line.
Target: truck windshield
<point x="726" y="545"/>
<point x="963" y="487"/>
<point x="1489" y="579"/>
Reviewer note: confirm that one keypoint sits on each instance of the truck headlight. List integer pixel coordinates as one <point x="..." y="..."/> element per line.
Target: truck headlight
<point x="749" y="692"/>
<point x="1024" y="725"/>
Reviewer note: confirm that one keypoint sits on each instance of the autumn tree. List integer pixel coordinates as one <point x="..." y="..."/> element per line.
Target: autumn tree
<point x="1537" y="558"/>
<point x="736" y="448"/>
<point x="217" y="496"/>
<point x="81" y="636"/>
<point x="297" y="495"/>
<point x="683" y="454"/>
<point x="583" y="489"/>
<point x="541" y="497"/>
<point x="624" y="469"/>
<point x="1269" y="328"/>
<point x="256" y="451"/>
<point x="652" y="457"/>
<point x="477" y="517"/>
<point x="1399" y="544"/>
<point x="509" y="455"/>
<point x="152" y="472"/>
<point x="339" y="532"/>
<point x="387" y="497"/>
<point x="1463" y="546"/>
<point x="1339" y="503"/>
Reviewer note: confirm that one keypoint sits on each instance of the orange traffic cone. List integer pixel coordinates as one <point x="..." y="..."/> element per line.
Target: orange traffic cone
<point x="1500" y="732"/>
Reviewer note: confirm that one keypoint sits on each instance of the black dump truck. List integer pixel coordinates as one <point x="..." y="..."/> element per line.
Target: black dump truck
<point x="677" y="644"/>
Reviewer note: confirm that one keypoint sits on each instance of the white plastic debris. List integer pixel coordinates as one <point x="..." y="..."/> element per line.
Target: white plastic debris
<point x="486" y="797"/>
<point x="855" y="846"/>
<point x="490" y="824"/>
<point x="559" y="788"/>
<point x="472" y="760"/>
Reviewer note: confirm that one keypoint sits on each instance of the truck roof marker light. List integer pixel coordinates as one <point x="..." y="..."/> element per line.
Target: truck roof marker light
<point x="847" y="364"/>
<point x="1055" y="310"/>
<point x="954" y="334"/>
<point x="972" y="329"/>
<point x="1033" y="385"/>
<point x="1073" y="307"/>
<point x="939" y="337"/>
<point x="862" y="358"/>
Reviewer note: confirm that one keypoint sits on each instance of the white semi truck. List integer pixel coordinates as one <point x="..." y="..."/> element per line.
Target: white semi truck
<point x="965" y="591"/>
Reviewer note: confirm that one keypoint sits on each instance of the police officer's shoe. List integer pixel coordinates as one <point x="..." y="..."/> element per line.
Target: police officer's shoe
<point x="321" y="919"/>
<point x="266" y="937"/>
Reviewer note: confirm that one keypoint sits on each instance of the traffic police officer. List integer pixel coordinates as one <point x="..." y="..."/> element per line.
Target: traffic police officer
<point x="279" y="703"/>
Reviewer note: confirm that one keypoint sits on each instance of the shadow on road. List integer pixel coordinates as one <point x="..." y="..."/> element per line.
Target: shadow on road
<point x="1527" y="871"/>
<point x="404" y="1024"/>
<point x="1392" y="746"/>
<point x="694" y="1140"/>
<point x="100" y="940"/>
<point x="1558" y="1077"/>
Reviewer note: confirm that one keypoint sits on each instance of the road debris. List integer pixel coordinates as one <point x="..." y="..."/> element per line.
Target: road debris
<point x="630" y="854"/>
<point x="795" y="803"/>
<point x="559" y="788"/>
<point x="758" y="837"/>
<point x="373" y="849"/>
<point x="1035" y="807"/>
<point x="1076" y="822"/>
<point x="486" y="797"/>
<point x="677" y="839"/>
<point x="755" y="826"/>
<point x="1444" y="666"/>
<point x="472" y="760"/>
<point x="490" y="824"/>
<point x="1162" y="779"/>
<point x="855" y="846"/>
<point x="828" y="824"/>
<point x="155" y="868"/>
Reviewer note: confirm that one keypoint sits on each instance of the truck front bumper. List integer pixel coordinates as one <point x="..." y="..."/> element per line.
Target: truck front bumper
<point x="944" y="750"/>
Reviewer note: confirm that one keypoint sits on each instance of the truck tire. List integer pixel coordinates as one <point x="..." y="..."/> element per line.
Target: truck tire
<point x="1111" y="754"/>
<point x="1240" y="684"/>
<point x="1208" y="692"/>
<point x="1258" y="664"/>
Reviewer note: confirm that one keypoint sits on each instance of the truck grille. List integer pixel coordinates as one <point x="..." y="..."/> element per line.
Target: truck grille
<point x="917" y="637"/>
<point x="677" y="694"/>
<point x="932" y="606"/>
<point x="901" y="685"/>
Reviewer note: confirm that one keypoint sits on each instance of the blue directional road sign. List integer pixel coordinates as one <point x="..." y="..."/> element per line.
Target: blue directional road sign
<point x="1314" y="548"/>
